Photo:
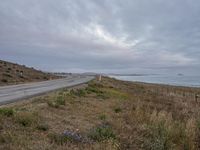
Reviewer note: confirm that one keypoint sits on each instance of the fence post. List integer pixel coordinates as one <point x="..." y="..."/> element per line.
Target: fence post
<point x="196" y="97"/>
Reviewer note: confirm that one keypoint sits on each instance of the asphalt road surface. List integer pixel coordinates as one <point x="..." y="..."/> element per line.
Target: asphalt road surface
<point x="14" y="93"/>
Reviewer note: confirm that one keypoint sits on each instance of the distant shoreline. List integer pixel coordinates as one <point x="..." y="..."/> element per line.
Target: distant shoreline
<point x="178" y="81"/>
<point x="131" y="74"/>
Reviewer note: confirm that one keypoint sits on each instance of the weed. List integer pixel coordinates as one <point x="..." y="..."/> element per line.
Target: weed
<point x="60" y="100"/>
<point x="59" y="139"/>
<point x="102" y="96"/>
<point x="6" y="112"/>
<point x="117" y="110"/>
<point x="114" y="93"/>
<point x="159" y="138"/>
<point x="78" y="92"/>
<point x="102" y="117"/>
<point x="26" y="119"/>
<point x="5" y="138"/>
<point x="93" y="89"/>
<point x="43" y="127"/>
<point x="53" y="104"/>
<point x="101" y="133"/>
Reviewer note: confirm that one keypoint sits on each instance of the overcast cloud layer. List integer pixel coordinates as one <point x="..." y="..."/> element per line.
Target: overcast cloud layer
<point x="125" y="36"/>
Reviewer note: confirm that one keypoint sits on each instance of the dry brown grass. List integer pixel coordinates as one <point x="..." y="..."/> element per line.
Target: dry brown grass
<point x="108" y="115"/>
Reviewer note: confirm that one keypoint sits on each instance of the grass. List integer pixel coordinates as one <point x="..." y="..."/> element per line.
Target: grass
<point x="6" y="112"/>
<point x="43" y="127"/>
<point x="78" y="92"/>
<point x="101" y="133"/>
<point x="59" y="139"/>
<point x="57" y="101"/>
<point x="5" y="138"/>
<point x="102" y="117"/>
<point x="26" y="119"/>
<point x="117" y="110"/>
<point x="60" y="100"/>
<point x="111" y="114"/>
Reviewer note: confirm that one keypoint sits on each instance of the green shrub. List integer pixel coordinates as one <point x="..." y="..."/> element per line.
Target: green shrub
<point x="102" y="133"/>
<point x="102" y="96"/>
<point x="159" y="138"/>
<point x="78" y="92"/>
<point x="60" y="100"/>
<point x="6" y="112"/>
<point x="92" y="89"/>
<point x="102" y="117"/>
<point x="117" y="110"/>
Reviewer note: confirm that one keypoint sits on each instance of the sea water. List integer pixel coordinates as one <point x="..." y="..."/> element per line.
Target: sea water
<point x="178" y="80"/>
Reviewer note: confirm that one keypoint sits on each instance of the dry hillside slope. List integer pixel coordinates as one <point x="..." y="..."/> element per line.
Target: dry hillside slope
<point x="11" y="73"/>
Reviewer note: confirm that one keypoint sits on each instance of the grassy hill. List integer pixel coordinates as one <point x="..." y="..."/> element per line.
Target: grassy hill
<point x="11" y="73"/>
<point x="105" y="115"/>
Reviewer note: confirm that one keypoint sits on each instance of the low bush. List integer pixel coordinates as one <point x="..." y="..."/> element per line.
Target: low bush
<point x="102" y="96"/>
<point x="26" y="119"/>
<point x="159" y="138"/>
<point x="101" y="133"/>
<point x="78" y="92"/>
<point x="6" y="112"/>
<point x="117" y="110"/>
<point x="102" y="117"/>
<point x="92" y="89"/>
<point x="60" y="100"/>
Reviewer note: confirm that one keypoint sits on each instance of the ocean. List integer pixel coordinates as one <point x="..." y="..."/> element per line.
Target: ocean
<point x="178" y="80"/>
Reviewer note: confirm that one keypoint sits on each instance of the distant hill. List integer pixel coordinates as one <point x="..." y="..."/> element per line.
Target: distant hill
<point x="11" y="73"/>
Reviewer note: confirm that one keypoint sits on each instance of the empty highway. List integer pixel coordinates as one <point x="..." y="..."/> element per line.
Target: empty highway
<point x="14" y="93"/>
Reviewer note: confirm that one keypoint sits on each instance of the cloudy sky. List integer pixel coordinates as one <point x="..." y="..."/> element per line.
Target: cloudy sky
<point x="119" y="36"/>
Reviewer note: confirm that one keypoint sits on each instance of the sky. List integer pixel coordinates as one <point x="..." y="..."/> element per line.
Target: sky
<point x="108" y="36"/>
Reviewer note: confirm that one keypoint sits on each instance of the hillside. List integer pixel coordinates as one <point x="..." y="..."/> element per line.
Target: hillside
<point x="106" y="115"/>
<point x="11" y="73"/>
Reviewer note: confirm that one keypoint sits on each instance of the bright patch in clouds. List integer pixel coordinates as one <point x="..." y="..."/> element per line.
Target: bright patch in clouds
<point x="102" y="35"/>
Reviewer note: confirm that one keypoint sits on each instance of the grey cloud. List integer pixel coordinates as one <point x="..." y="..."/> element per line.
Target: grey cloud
<point x="102" y="36"/>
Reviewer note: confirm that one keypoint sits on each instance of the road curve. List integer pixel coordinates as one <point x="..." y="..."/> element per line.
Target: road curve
<point x="14" y="93"/>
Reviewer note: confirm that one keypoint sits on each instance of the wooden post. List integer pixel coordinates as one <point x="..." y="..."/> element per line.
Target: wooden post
<point x="21" y="73"/>
<point x="196" y="97"/>
<point x="98" y="77"/>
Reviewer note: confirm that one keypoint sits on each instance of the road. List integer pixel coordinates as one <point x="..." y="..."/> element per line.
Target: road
<point x="14" y="93"/>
